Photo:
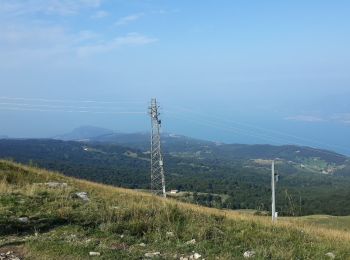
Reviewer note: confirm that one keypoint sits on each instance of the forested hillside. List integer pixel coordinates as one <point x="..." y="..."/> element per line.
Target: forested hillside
<point x="213" y="180"/>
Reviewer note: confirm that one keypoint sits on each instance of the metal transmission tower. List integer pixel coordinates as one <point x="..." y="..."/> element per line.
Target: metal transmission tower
<point x="157" y="169"/>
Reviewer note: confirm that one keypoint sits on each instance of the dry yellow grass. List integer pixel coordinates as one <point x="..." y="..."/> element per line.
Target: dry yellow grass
<point x="288" y="222"/>
<point x="3" y="186"/>
<point x="119" y="203"/>
<point x="138" y="199"/>
<point x="295" y="223"/>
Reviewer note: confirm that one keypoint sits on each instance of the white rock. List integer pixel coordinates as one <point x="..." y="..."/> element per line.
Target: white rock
<point x="151" y="255"/>
<point x="94" y="254"/>
<point x="23" y="220"/>
<point x="71" y="237"/>
<point x="83" y="196"/>
<point x="56" y="184"/>
<point x="197" y="256"/>
<point x="249" y="254"/>
<point x="330" y="255"/>
<point x="142" y="244"/>
<point x="183" y="258"/>
<point x="191" y="242"/>
<point x="169" y="234"/>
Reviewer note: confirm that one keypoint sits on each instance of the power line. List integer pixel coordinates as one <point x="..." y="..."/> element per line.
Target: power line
<point x="72" y="100"/>
<point x="266" y="130"/>
<point x="210" y="120"/>
<point x="55" y="106"/>
<point x="269" y="139"/>
<point x="70" y="111"/>
<point x="226" y="128"/>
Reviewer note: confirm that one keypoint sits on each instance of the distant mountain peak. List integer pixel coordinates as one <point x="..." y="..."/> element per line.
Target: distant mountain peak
<point x="85" y="132"/>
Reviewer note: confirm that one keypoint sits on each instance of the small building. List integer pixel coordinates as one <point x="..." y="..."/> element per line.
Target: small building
<point x="174" y="191"/>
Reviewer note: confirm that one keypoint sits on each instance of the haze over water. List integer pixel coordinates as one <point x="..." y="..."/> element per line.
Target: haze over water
<point x="234" y="71"/>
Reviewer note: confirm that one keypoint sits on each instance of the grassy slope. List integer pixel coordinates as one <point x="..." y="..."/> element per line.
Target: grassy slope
<point x="116" y="221"/>
<point x="329" y="222"/>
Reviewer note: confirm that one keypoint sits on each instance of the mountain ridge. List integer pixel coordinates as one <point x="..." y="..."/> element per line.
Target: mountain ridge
<point x="184" y="144"/>
<point x="83" y="133"/>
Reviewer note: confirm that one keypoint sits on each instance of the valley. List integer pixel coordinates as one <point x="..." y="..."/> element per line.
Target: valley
<point x="206" y="173"/>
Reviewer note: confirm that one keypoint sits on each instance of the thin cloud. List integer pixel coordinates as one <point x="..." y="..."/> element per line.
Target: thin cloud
<point x="128" y="19"/>
<point x="341" y="118"/>
<point x="306" y="118"/>
<point x="48" y="7"/>
<point x="25" y="40"/>
<point x="163" y="11"/>
<point x="22" y="44"/>
<point x="131" y="39"/>
<point x="100" y="14"/>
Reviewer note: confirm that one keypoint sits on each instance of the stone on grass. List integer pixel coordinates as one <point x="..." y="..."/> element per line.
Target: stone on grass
<point x="142" y="244"/>
<point x="23" y="220"/>
<point x="10" y="255"/>
<point x="170" y="234"/>
<point x="53" y="184"/>
<point x="249" y="254"/>
<point x="191" y="257"/>
<point x="330" y="255"/>
<point x="94" y="254"/>
<point x="71" y="237"/>
<point x="119" y="246"/>
<point x="82" y="195"/>
<point x="191" y="242"/>
<point x="151" y="255"/>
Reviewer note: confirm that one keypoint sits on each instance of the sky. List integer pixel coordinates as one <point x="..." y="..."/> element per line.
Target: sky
<point x="238" y="71"/>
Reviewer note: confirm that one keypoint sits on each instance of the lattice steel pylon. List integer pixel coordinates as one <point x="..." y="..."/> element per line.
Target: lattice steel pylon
<point x="157" y="168"/>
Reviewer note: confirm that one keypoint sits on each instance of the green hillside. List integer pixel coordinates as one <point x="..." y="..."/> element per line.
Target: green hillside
<point x="41" y="217"/>
<point x="240" y="183"/>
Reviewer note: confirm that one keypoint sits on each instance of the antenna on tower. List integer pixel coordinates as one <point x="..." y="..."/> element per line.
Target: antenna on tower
<point x="157" y="169"/>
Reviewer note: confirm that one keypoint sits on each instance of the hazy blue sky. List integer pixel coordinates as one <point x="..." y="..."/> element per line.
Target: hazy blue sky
<point x="236" y="71"/>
